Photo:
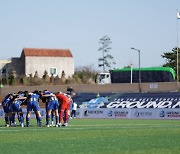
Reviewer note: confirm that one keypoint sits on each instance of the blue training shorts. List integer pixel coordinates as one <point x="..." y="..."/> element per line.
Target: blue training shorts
<point x="33" y="106"/>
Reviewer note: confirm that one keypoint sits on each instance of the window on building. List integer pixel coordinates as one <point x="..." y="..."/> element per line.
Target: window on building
<point x="53" y="71"/>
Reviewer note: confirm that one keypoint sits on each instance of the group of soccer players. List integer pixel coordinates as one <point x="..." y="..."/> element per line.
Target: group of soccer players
<point x="56" y="104"/>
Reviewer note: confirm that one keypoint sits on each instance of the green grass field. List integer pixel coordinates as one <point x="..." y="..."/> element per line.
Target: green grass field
<point x="94" y="136"/>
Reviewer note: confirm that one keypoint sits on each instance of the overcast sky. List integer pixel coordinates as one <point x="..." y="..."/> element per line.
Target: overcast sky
<point x="148" y="25"/>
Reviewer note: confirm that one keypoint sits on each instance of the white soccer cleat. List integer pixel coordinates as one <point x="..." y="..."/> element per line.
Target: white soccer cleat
<point x="59" y="125"/>
<point x="22" y="125"/>
<point x="7" y="125"/>
<point x="65" y="125"/>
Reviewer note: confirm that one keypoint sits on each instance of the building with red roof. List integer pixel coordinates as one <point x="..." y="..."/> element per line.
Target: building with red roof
<point x="54" y="61"/>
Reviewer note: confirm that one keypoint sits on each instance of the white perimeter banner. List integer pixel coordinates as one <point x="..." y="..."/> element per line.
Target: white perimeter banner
<point x="118" y="113"/>
<point x="129" y="113"/>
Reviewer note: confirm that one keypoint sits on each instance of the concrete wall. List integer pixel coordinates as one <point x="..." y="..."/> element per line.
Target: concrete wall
<point x="146" y="87"/>
<point x="40" y="64"/>
<point x="17" y="65"/>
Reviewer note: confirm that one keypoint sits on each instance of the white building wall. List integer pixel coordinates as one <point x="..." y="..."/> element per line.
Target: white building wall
<point x="4" y="64"/>
<point x="40" y="64"/>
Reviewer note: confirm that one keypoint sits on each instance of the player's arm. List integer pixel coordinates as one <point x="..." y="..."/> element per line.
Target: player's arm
<point x="48" y="95"/>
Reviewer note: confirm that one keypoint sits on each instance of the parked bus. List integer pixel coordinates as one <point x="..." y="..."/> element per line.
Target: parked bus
<point x="131" y="75"/>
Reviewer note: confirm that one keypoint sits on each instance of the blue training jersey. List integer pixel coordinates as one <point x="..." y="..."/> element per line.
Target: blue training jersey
<point x="7" y="100"/>
<point x="51" y="98"/>
<point x="33" y="97"/>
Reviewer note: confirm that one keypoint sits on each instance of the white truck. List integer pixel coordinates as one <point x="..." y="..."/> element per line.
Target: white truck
<point x="104" y="78"/>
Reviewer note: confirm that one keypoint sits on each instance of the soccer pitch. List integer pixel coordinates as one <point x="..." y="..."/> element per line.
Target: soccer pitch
<point x="94" y="136"/>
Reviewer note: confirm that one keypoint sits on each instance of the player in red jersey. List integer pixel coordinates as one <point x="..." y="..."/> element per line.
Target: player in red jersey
<point x="65" y="101"/>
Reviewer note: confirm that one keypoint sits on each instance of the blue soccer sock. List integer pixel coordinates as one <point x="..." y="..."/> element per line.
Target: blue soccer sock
<point x="6" y="120"/>
<point x="27" y="121"/>
<point x="21" y="118"/>
<point x="52" y="118"/>
<point x="13" y="118"/>
<point x="39" y="121"/>
<point x="48" y="119"/>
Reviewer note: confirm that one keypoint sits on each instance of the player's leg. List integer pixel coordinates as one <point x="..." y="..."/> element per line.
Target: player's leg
<point x="52" y="117"/>
<point x="74" y="114"/>
<point x="13" y="119"/>
<point x="61" y="115"/>
<point x="6" y="116"/>
<point x="67" y="113"/>
<point x="20" y="114"/>
<point x="48" y="118"/>
<point x="21" y="118"/>
<point x="28" y="118"/>
<point x="57" y="117"/>
<point x="36" y="109"/>
<point x="12" y="115"/>
<point x="39" y="118"/>
<point x="29" y="109"/>
<point x="56" y="107"/>
<point x="71" y="114"/>
<point x="66" y="117"/>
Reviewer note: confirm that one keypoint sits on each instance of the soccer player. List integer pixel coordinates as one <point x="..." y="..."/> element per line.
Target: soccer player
<point x="52" y="105"/>
<point x="6" y="107"/>
<point x="33" y="104"/>
<point x="15" y="107"/>
<point x="64" y="110"/>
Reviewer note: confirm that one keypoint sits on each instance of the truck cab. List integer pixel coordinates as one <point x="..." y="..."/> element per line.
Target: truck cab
<point x="103" y="78"/>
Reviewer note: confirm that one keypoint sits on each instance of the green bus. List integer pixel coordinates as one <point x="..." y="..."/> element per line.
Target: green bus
<point x="149" y="74"/>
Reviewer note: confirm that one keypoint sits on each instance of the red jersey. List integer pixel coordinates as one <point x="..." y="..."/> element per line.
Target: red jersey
<point x="64" y="107"/>
<point x="63" y="98"/>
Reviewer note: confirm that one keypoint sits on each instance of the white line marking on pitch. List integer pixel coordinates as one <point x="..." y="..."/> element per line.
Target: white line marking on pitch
<point x="83" y="127"/>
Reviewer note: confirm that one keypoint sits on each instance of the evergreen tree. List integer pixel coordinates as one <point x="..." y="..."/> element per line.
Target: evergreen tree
<point x="171" y="59"/>
<point x="12" y="77"/>
<point x="46" y="77"/>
